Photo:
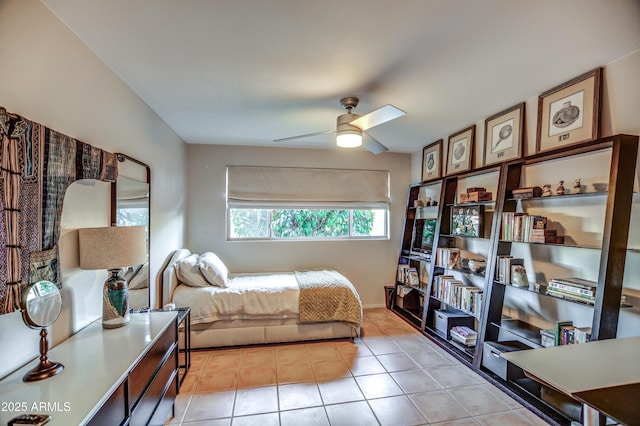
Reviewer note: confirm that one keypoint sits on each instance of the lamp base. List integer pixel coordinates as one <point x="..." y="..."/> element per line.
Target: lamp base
<point x="115" y="301"/>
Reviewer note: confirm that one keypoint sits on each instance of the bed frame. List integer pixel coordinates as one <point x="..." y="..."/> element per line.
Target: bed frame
<point x="249" y="332"/>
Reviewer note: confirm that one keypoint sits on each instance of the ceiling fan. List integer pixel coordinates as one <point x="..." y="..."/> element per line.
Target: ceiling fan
<point x="351" y="127"/>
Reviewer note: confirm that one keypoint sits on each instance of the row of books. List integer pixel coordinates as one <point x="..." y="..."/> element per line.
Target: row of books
<point x="564" y="333"/>
<point x="511" y="270"/>
<point x="527" y="228"/>
<point x="408" y="275"/>
<point x="463" y="334"/>
<point x="449" y="257"/>
<point x="458" y="294"/>
<point x="576" y="289"/>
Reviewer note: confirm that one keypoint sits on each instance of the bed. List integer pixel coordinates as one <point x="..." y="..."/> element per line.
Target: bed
<point x="259" y="308"/>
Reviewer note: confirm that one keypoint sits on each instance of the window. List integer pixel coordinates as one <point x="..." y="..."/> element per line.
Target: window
<point x="286" y="203"/>
<point x="282" y="224"/>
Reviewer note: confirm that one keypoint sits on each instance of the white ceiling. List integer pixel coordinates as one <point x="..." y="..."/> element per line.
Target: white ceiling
<point x="246" y="72"/>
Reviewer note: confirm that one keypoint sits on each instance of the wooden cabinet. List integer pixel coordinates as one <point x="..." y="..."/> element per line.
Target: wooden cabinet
<point x="593" y="221"/>
<point x="127" y="375"/>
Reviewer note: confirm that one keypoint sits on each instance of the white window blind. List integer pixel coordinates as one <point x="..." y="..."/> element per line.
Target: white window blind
<point x="277" y="187"/>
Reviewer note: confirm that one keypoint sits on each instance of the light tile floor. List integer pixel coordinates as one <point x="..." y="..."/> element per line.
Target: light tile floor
<point x="391" y="376"/>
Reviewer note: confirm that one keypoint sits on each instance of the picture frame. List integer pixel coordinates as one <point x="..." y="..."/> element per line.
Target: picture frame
<point x="432" y="161"/>
<point x="504" y="135"/>
<point x="467" y="221"/>
<point x="460" y="151"/>
<point x="569" y="113"/>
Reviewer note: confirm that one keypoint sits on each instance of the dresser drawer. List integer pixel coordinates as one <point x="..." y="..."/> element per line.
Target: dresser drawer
<point x="147" y="367"/>
<point x="113" y="412"/>
<point x="160" y="384"/>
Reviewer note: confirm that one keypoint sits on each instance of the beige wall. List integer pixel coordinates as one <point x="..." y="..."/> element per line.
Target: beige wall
<point x="370" y="265"/>
<point x="620" y="110"/>
<point x="49" y="76"/>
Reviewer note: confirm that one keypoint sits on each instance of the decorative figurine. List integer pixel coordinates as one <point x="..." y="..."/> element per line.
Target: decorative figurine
<point x="546" y="190"/>
<point x="560" y="188"/>
<point x="577" y="186"/>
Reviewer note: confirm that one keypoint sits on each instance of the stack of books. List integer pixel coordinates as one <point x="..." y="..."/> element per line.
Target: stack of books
<point x="576" y="289"/>
<point x="464" y="335"/>
<point x="408" y="275"/>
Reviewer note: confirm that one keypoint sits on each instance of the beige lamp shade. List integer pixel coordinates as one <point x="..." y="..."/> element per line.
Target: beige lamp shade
<point x="112" y="247"/>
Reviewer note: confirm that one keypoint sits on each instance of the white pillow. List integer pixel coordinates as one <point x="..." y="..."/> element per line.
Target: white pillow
<point x="141" y="277"/>
<point x="213" y="269"/>
<point x="188" y="272"/>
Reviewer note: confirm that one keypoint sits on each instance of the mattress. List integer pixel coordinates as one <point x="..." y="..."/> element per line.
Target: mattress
<point x="246" y="296"/>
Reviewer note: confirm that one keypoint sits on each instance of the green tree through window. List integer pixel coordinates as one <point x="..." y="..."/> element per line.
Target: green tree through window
<point x="306" y="223"/>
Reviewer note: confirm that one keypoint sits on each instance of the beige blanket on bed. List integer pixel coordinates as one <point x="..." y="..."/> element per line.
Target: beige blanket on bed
<point x="328" y="296"/>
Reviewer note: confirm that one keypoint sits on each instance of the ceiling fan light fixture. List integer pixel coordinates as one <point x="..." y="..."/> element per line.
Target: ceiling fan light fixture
<point x="348" y="136"/>
<point x="349" y="139"/>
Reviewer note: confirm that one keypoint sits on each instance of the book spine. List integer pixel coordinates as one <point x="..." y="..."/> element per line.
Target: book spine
<point x="587" y="285"/>
<point x="572" y="289"/>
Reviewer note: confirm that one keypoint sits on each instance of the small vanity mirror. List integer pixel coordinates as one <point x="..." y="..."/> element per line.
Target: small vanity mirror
<point x="41" y="304"/>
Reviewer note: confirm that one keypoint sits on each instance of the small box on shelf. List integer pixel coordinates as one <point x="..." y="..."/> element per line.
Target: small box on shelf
<point x="492" y="359"/>
<point x="471" y="197"/>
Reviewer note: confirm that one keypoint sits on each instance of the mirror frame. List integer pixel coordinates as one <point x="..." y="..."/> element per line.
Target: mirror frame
<point x="45" y="367"/>
<point x="114" y="208"/>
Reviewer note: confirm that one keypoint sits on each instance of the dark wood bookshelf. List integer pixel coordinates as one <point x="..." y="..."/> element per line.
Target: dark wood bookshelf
<point x="492" y="326"/>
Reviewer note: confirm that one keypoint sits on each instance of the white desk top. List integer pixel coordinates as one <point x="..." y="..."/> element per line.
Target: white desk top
<point x="575" y="368"/>
<point x="95" y="363"/>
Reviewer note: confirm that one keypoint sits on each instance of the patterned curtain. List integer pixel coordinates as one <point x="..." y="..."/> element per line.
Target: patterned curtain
<point x="37" y="165"/>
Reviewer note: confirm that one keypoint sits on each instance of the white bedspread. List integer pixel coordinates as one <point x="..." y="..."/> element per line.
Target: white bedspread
<point x="247" y="296"/>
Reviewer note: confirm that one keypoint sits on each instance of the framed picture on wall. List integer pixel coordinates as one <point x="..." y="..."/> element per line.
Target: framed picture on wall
<point x="570" y="113"/>
<point x="432" y="161"/>
<point x="503" y="135"/>
<point x="460" y="151"/>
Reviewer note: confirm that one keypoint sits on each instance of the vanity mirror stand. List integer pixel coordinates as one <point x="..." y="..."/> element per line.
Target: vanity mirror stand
<point x="41" y="304"/>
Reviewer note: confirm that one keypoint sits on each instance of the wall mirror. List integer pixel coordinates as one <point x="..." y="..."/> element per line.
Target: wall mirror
<point x="41" y="304"/>
<point x="130" y="206"/>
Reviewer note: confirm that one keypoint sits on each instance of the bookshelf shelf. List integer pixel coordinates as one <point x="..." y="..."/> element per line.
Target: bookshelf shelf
<point x="473" y="203"/>
<point x="451" y="305"/>
<point x="524" y="330"/>
<point x="463" y="353"/>
<point x="542" y="291"/>
<point x="555" y="198"/>
<point x="553" y="244"/>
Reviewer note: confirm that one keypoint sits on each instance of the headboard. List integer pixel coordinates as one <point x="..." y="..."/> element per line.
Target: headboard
<point x="168" y="274"/>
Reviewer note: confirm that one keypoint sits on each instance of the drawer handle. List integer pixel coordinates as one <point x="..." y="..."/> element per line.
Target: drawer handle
<point x="496" y="354"/>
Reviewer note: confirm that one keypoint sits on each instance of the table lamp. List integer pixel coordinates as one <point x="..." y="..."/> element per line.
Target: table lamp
<point x="113" y="248"/>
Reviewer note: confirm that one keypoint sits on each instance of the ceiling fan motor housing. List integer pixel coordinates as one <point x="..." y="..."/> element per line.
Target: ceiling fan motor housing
<point x="343" y="125"/>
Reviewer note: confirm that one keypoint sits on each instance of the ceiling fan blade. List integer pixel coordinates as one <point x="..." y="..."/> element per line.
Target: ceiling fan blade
<point x="292" y="138"/>
<point x="377" y="117"/>
<point x="372" y="145"/>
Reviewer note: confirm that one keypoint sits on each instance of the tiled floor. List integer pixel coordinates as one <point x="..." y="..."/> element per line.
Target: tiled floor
<point x="391" y="376"/>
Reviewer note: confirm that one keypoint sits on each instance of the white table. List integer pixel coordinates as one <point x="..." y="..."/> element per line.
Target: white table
<point x="95" y="361"/>
<point x="577" y="368"/>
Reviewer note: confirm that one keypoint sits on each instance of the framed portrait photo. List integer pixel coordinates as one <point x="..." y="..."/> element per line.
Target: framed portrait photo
<point x="432" y="161"/>
<point x="503" y="135"/>
<point x="460" y="151"/>
<point x="570" y="113"/>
